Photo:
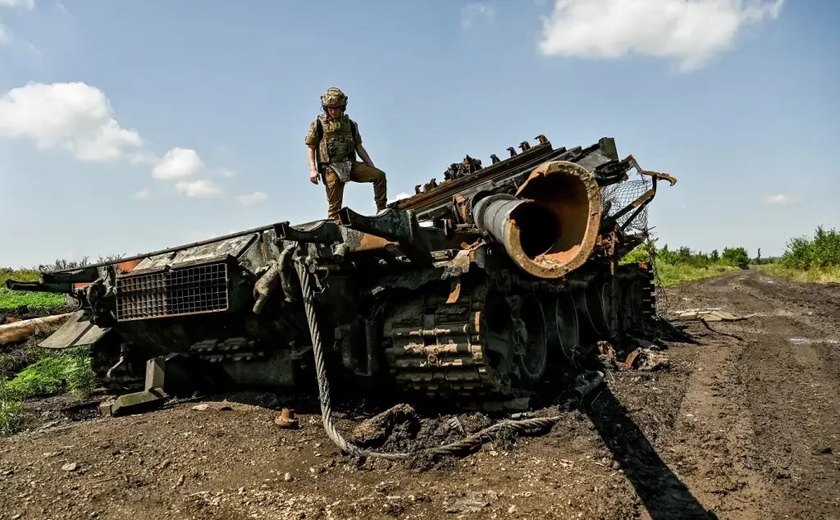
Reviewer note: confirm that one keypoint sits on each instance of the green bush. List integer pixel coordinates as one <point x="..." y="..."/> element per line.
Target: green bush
<point x="683" y="264"/>
<point x="821" y="252"/>
<point x="736" y="257"/>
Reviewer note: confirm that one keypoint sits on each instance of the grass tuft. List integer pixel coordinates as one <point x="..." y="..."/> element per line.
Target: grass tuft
<point x="66" y="370"/>
<point x="11" y="416"/>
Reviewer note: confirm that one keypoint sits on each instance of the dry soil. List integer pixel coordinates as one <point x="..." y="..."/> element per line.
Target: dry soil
<point x="745" y="423"/>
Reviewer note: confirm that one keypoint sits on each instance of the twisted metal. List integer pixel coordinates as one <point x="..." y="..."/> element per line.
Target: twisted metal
<point x="468" y="443"/>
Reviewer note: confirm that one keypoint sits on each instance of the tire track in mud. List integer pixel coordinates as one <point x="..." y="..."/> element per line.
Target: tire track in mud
<point x="794" y="390"/>
<point x="765" y="408"/>
<point x="716" y="439"/>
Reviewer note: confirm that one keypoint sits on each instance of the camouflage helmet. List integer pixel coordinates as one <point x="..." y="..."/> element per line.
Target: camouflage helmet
<point x="333" y="97"/>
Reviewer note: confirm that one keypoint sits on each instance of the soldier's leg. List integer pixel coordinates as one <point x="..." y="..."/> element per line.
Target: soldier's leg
<point x="335" y="193"/>
<point x="362" y="172"/>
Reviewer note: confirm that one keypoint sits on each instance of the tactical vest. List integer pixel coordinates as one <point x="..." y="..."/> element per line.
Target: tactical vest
<point x="338" y="141"/>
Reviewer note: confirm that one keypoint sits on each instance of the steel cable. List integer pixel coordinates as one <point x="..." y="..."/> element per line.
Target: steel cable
<point x="470" y="442"/>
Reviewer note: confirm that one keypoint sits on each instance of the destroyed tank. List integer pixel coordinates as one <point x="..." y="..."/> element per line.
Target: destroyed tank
<point x="468" y="291"/>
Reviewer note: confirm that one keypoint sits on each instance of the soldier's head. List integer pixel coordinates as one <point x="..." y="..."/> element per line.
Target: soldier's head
<point x="334" y="102"/>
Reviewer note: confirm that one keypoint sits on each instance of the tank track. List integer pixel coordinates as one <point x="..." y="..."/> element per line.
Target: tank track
<point x="649" y="309"/>
<point x="436" y="348"/>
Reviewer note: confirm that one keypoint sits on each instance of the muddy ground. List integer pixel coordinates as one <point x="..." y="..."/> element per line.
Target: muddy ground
<point x="745" y="423"/>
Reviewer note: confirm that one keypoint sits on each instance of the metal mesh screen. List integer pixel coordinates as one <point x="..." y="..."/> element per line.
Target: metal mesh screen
<point x="616" y="196"/>
<point x="187" y="290"/>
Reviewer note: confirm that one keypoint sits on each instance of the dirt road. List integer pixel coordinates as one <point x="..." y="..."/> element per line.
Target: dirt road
<point x="744" y="424"/>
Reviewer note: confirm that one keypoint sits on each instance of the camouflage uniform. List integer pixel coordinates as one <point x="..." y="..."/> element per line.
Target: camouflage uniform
<point x="335" y="141"/>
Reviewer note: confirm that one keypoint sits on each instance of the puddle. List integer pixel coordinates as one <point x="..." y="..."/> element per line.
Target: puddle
<point x="801" y="342"/>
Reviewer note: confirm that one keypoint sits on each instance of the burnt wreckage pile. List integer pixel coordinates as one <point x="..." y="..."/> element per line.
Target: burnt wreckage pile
<point x="467" y="291"/>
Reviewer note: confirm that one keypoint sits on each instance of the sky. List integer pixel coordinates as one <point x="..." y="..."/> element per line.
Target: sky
<point x="132" y="126"/>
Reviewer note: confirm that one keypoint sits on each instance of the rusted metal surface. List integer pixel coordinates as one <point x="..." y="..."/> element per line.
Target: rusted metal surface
<point x="550" y="226"/>
<point x="206" y="252"/>
<point x="142" y="256"/>
<point x="449" y="188"/>
<point x="287" y="419"/>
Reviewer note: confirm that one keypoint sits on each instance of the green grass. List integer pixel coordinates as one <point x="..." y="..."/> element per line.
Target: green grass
<point x="11" y="416"/>
<point x="54" y="373"/>
<point x="14" y="299"/>
<point x="65" y="370"/>
<point x="673" y="274"/>
<point x="814" y="275"/>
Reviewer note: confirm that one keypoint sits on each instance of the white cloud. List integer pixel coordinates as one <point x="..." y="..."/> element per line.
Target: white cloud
<point x="401" y="195"/>
<point x="782" y="199"/>
<point x="472" y="14"/>
<point x="690" y="31"/>
<point x="26" y="4"/>
<point x="227" y="173"/>
<point x="5" y="36"/>
<point x="199" y="189"/>
<point x="252" y="198"/>
<point x="73" y="116"/>
<point x="78" y="118"/>
<point x="178" y="163"/>
<point x="143" y="194"/>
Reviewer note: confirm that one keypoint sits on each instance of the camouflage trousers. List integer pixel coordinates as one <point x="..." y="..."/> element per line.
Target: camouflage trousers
<point x="361" y="172"/>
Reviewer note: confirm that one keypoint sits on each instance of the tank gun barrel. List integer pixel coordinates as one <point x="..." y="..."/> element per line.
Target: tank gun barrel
<point x="57" y="282"/>
<point x="550" y="225"/>
<point x="60" y="287"/>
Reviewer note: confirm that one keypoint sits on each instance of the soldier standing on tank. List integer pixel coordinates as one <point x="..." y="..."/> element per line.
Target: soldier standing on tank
<point x="333" y="141"/>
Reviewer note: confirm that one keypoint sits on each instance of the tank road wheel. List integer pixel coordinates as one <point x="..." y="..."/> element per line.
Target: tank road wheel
<point x="588" y="298"/>
<point x="563" y="329"/>
<point x="530" y="334"/>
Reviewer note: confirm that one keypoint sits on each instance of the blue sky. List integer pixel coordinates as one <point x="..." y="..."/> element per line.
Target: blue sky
<point x="131" y="126"/>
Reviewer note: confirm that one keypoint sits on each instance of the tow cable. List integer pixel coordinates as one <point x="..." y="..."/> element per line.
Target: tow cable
<point x="470" y="442"/>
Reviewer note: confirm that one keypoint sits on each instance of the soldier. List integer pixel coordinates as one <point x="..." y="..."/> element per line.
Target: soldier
<point x="333" y="141"/>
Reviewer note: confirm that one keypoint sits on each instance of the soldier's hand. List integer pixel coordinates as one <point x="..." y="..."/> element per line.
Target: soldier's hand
<point x="313" y="176"/>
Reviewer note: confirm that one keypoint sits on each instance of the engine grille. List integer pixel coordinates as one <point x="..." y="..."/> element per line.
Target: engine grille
<point x="176" y="292"/>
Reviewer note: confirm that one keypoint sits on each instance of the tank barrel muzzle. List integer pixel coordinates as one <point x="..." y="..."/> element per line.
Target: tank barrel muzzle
<point x="550" y="226"/>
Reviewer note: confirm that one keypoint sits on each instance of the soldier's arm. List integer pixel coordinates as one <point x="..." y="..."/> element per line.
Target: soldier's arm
<point x="311" y="141"/>
<point x="360" y="149"/>
<point x="313" y="167"/>
<point x="364" y="155"/>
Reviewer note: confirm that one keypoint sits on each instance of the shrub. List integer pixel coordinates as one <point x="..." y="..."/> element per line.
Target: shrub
<point x="736" y="257"/>
<point x="821" y="252"/>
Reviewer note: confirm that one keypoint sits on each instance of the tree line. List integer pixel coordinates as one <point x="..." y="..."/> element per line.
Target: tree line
<point x="822" y="251"/>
